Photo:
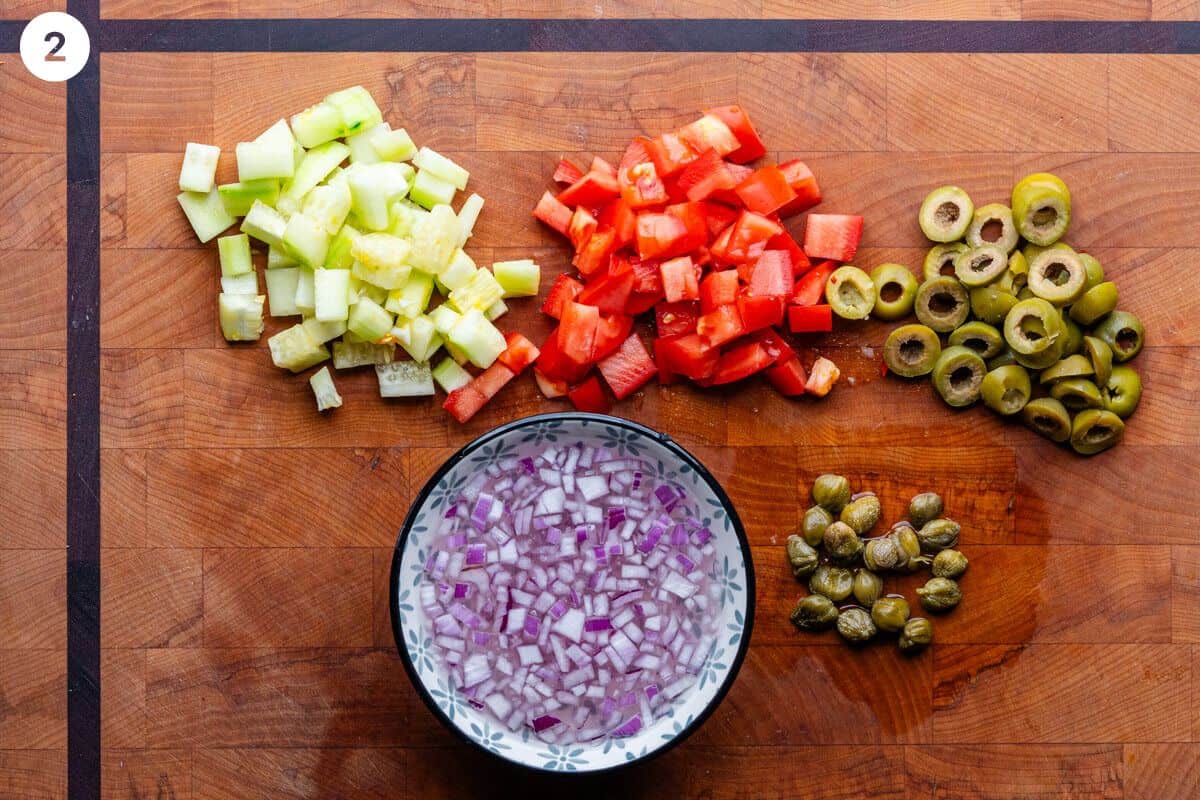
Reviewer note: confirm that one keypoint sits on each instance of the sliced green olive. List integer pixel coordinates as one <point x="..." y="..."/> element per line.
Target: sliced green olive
<point x="958" y="376"/>
<point x="1006" y="390"/>
<point x="1025" y="294"/>
<point x="1002" y="360"/>
<point x="946" y="213"/>
<point x="1077" y="394"/>
<point x="1123" y="332"/>
<point x="1057" y="276"/>
<point x="991" y="304"/>
<point x="1095" y="272"/>
<point x="895" y="291"/>
<point x="1076" y="366"/>
<point x="1072" y="338"/>
<point x="981" y="265"/>
<point x="980" y="337"/>
<point x="939" y="260"/>
<point x="1045" y="358"/>
<point x="1122" y="391"/>
<point x="1097" y="301"/>
<point x="1031" y="251"/>
<point x="993" y="224"/>
<point x="1041" y="205"/>
<point x="1017" y="274"/>
<point x="1101" y="356"/>
<point x="1032" y="326"/>
<point x="1049" y="418"/>
<point x="942" y="304"/>
<point x="850" y="292"/>
<point x="911" y="350"/>
<point x="1094" y="430"/>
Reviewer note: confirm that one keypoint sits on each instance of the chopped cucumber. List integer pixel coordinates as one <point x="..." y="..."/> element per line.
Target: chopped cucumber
<point x="306" y="292"/>
<point x="316" y="166"/>
<point x="480" y="292"/>
<point x="404" y="217"/>
<point x="206" y="213"/>
<point x="369" y="320"/>
<point x="429" y="190"/>
<point x="461" y="269"/>
<point x="332" y="293"/>
<point x="324" y="331"/>
<point x="324" y="390"/>
<point x="278" y="135"/>
<point x="450" y="375"/>
<point x="265" y="224"/>
<point x="368" y="192"/>
<point x="435" y="344"/>
<point x="477" y="338"/>
<point x="456" y="353"/>
<point x="329" y="205"/>
<point x="397" y="178"/>
<point x="411" y="299"/>
<point x="281" y="290"/>
<point x="441" y="167"/>
<point x="357" y="108"/>
<point x="404" y="379"/>
<point x="379" y="258"/>
<point x="362" y="150"/>
<point x="234" y="254"/>
<point x="317" y="124"/>
<point x="295" y="349"/>
<point x="306" y="240"/>
<point x="468" y="215"/>
<point x="347" y="355"/>
<point x="339" y="255"/>
<point x="239" y="197"/>
<point x="241" y="316"/>
<point x="434" y="240"/>
<point x="257" y="160"/>
<point x="199" y="167"/>
<point x="495" y="311"/>
<point x="277" y="258"/>
<point x="420" y="333"/>
<point x="246" y="283"/>
<point x="518" y="278"/>
<point x="393" y="145"/>
<point x="443" y="318"/>
<point x="377" y="296"/>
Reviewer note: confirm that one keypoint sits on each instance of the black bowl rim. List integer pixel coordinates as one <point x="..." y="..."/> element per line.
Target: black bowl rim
<point x="680" y="452"/>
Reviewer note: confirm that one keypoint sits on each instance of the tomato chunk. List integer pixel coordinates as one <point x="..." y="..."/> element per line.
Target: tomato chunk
<point x="690" y="355"/>
<point x="679" y="279"/>
<point x="766" y="190"/>
<point x="591" y="190"/>
<point x="628" y="368"/>
<point x="803" y="183"/>
<point x="709" y="133"/>
<point x="810" y="289"/>
<point x="577" y="331"/>
<point x="742" y="361"/>
<point x="810" y="319"/>
<point x="464" y="402"/>
<point x="594" y="255"/>
<point x="564" y="290"/>
<point x="550" y="211"/>
<point x="772" y="276"/>
<point x="554" y="364"/>
<point x="589" y="396"/>
<point x="566" y="172"/>
<point x="611" y="292"/>
<point x="718" y="288"/>
<point x="749" y="237"/>
<point x="621" y="218"/>
<point x="788" y="377"/>
<point x="602" y="167"/>
<point x="519" y="354"/>
<point x="638" y="152"/>
<point x="489" y="382"/>
<point x="641" y="187"/>
<point x="550" y="388"/>
<point x="611" y="330"/>
<point x="800" y="262"/>
<point x="676" y="319"/>
<point x="583" y="225"/>
<point x="722" y="324"/>
<point x="832" y="236"/>
<point x="750" y="145"/>
<point x="760" y="312"/>
<point x="670" y="153"/>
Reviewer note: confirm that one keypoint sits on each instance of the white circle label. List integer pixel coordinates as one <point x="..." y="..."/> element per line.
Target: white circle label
<point x="55" y="46"/>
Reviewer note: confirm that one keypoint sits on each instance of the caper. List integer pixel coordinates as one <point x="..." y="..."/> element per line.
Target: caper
<point x="1123" y="332"/>
<point x="978" y="336"/>
<point x="992" y="303"/>
<point x="938" y="534"/>
<point x="958" y="376"/>
<point x="831" y="492"/>
<point x="1076" y="366"/>
<point x="833" y="582"/>
<point x="890" y="613"/>
<point x="868" y="587"/>
<point x="1095" y="272"/>
<point x="916" y="636"/>
<point x="942" y="304"/>
<point x="939" y="595"/>
<point x="981" y="265"/>
<point x="1032" y="326"/>
<point x="949" y="563"/>
<point x="945" y="214"/>
<point x="801" y="556"/>
<point x="939" y="260"/>
<point x="911" y="350"/>
<point x="924" y="507"/>
<point x="1101" y="356"/>
<point x="861" y="514"/>
<point x="1122" y="391"/>
<point x="1057" y="276"/>
<point x="1048" y="417"/>
<point x="1097" y="301"/>
<point x="855" y="625"/>
<point x="814" y="613"/>
<point x="988" y="217"/>
<point x="812" y="527"/>
<point x="850" y="292"/>
<point x="1006" y="390"/>
<point x="884" y="554"/>
<point x="1072" y="338"/>
<point x="895" y="291"/>
<point x="1076" y="394"/>
<point x="1094" y="430"/>
<point x="841" y="541"/>
<point x="910" y="544"/>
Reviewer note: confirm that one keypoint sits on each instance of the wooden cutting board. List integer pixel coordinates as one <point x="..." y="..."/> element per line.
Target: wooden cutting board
<point x="246" y="647"/>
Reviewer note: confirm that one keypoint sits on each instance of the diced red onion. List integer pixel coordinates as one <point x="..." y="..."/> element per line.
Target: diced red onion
<point x="627" y="728"/>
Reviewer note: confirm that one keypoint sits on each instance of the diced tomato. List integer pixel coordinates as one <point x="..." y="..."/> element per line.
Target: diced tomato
<point x="709" y="133"/>
<point x="833" y="236"/>
<point x="592" y="190"/>
<point x="810" y="319"/>
<point x="760" y="312"/>
<point x="665" y="373"/>
<point x="610" y="332"/>
<point x="628" y="368"/>
<point x="489" y="382"/>
<point x="464" y="402"/>
<point x="594" y="255"/>
<point x="648" y="277"/>
<point x="589" y="396"/>
<point x="577" y="331"/>
<point x="621" y="218"/>
<point x="810" y="289"/>
<point x="676" y="319"/>
<point x="603" y="167"/>
<point x="719" y="288"/>
<point x="550" y="211"/>
<point x="554" y="364"/>
<point x="823" y="376"/>
<point x="719" y="249"/>
<point x="706" y="174"/>
<point x="566" y="172"/>
<point x="722" y="324"/>
<point x="641" y="187"/>
<point x="800" y="262"/>
<point x="670" y="153"/>
<point x="787" y="377"/>
<point x="679" y="279"/>
<point x="693" y="217"/>
<point x="766" y="190"/>
<point x="772" y="276"/>
<point x="803" y="183"/>
<point x="689" y="355"/>
<point x="519" y="354"/>
<point x="672" y="233"/>
<point x="737" y="173"/>
<point x="640" y="302"/>
<point x="549" y="387"/>
<point x="718" y="217"/>
<point x="738" y="122"/>
<point x="776" y="347"/>
<point x="564" y="290"/>
<point x="749" y="238"/>
<point x="742" y="361"/>
<point x="638" y="152"/>
<point x="609" y="293"/>
<point x="583" y="225"/>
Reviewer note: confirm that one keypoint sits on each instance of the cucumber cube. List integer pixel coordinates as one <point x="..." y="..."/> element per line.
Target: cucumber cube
<point x="441" y="167"/>
<point x="404" y="215"/>
<point x="392" y="145"/>
<point x="461" y="269"/>
<point x="347" y="355"/>
<point x="324" y="390"/>
<point x="306" y="240"/>
<point x="281" y="290"/>
<point x="443" y="318"/>
<point x="199" y="167"/>
<point x="329" y="205"/>
<point x="206" y="213"/>
<point x="240" y="284"/>
<point x="480" y="292"/>
<point x="369" y="320"/>
<point x="234" y="252"/>
<point x="278" y="135"/>
<point x="295" y="349"/>
<point x="357" y="109"/>
<point x="396" y="180"/>
<point x="495" y="311"/>
<point x="369" y="195"/>
<point x="331" y="288"/>
<point x="435" y="344"/>
<point x="306" y="292"/>
<point x="518" y="278"/>
<point x="411" y="299"/>
<point x="372" y="292"/>
<point x="420" y="335"/>
<point x="429" y="190"/>
<point x="362" y="151"/>
<point x="404" y="379"/>
<point x="379" y="258"/>
<point x="317" y="124"/>
<point x="477" y="338"/>
<point x="314" y="168"/>
<point x="339" y="255"/>
<point x="265" y="224"/>
<point x="277" y="258"/>
<point x="239" y="197"/>
<point x="468" y="215"/>
<point x="241" y="316"/>
<point x="257" y="160"/>
<point x="434" y="240"/>
<point x="324" y="331"/>
<point x="450" y="376"/>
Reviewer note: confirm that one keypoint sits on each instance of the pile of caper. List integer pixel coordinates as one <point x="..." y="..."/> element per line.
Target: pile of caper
<point x="832" y="553"/>
<point x="1030" y="326"/>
